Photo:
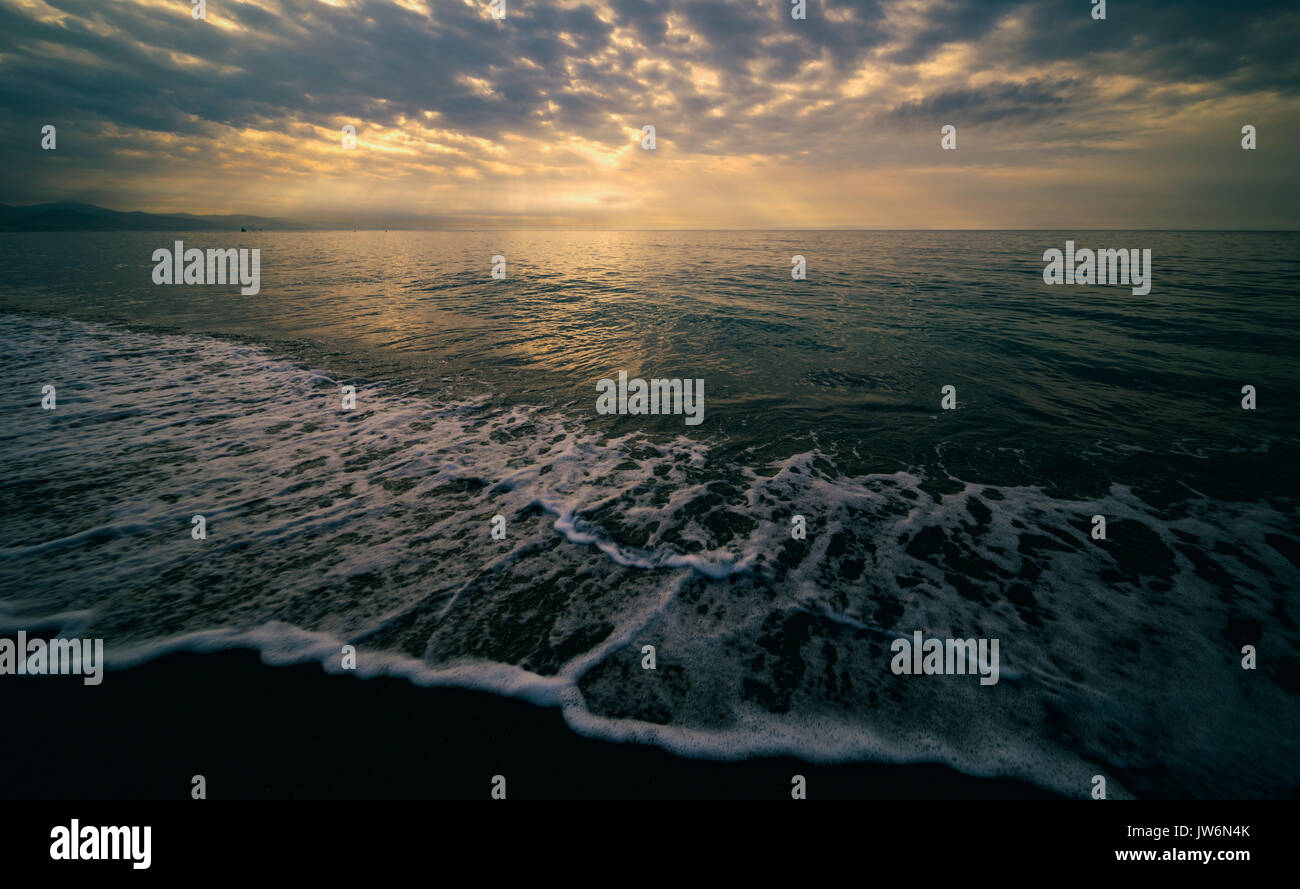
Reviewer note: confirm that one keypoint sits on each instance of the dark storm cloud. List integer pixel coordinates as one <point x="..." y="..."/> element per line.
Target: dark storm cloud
<point x="990" y="103"/>
<point x="1247" y="46"/>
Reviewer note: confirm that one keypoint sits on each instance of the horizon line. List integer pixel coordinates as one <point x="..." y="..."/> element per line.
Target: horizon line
<point x="367" y="228"/>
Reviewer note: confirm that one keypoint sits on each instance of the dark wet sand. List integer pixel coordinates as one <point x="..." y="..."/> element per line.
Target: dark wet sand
<point x="297" y="732"/>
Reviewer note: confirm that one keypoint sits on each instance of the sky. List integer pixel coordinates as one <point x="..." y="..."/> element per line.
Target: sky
<point x="761" y="120"/>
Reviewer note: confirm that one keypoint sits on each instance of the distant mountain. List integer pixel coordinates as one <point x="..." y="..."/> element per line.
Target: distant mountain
<point x="86" y="217"/>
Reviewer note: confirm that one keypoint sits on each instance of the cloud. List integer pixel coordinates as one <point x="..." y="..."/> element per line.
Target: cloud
<point x="494" y="118"/>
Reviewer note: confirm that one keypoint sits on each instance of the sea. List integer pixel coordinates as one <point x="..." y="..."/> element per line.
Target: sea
<point x="1164" y="657"/>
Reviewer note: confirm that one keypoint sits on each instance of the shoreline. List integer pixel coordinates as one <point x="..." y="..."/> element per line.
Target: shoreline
<point x="297" y="732"/>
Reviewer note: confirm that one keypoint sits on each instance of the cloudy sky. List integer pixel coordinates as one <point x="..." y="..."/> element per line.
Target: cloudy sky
<point x="761" y="120"/>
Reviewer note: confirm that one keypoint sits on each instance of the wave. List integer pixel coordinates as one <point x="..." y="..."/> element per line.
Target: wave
<point x="372" y="527"/>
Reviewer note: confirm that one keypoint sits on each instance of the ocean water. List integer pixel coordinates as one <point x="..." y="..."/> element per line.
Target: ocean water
<point x="476" y="398"/>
